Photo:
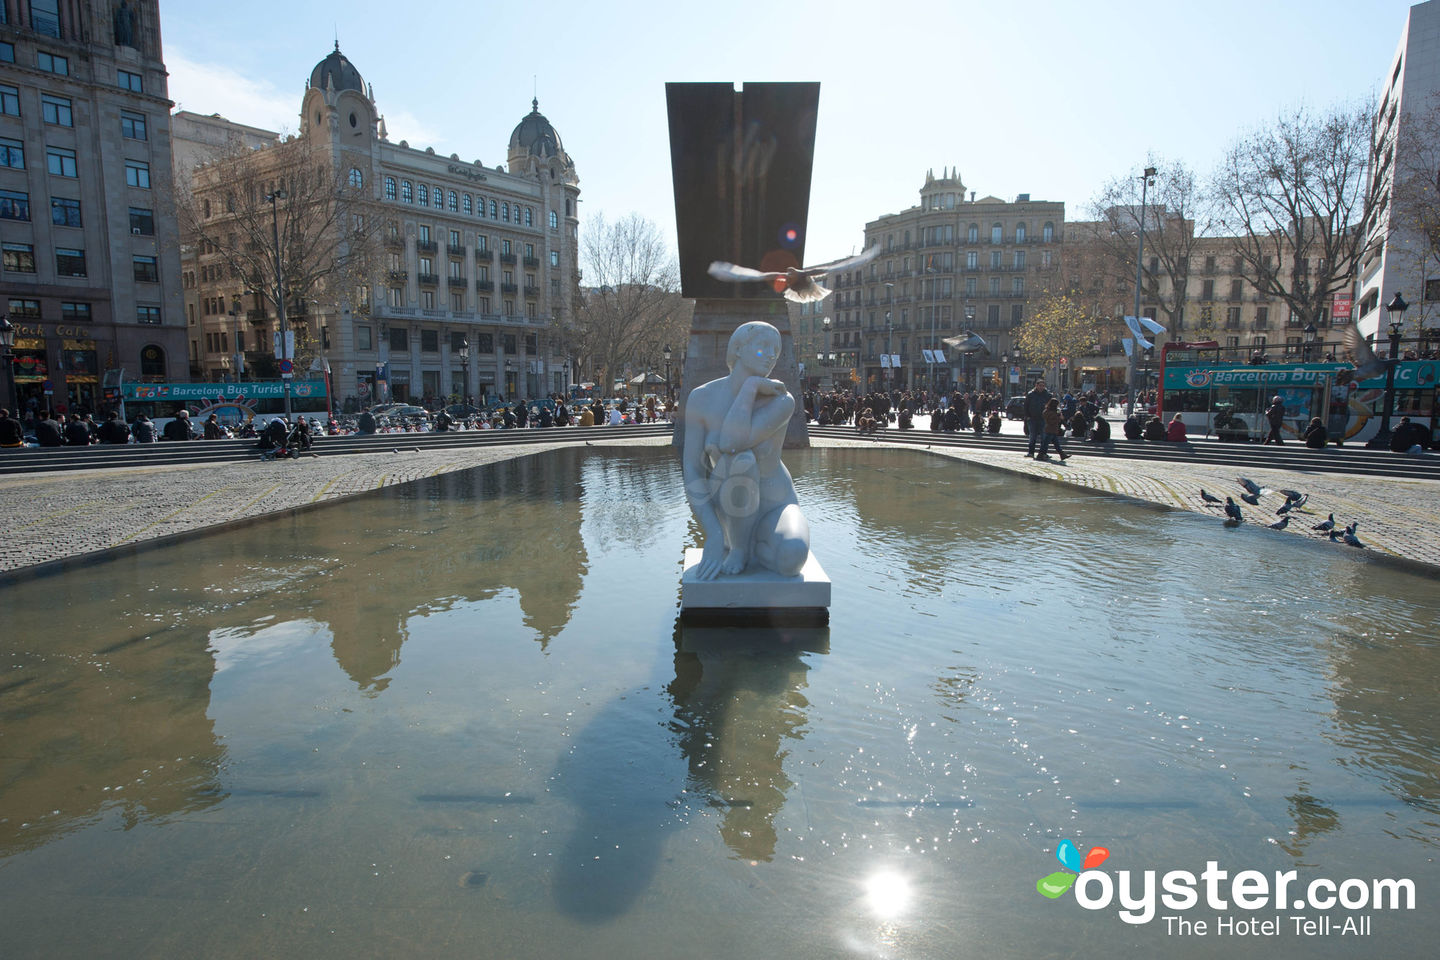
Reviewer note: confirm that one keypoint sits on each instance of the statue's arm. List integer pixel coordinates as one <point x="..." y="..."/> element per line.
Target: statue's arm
<point x="745" y="426"/>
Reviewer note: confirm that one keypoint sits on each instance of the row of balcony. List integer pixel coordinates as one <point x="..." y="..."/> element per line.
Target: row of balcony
<point x="459" y="250"/>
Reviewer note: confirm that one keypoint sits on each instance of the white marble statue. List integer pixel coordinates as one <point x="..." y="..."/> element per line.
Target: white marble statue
<point x="734" y="479"/>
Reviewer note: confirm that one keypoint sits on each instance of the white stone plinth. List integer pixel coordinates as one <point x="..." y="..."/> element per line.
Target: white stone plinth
<point x="754" y="592"/>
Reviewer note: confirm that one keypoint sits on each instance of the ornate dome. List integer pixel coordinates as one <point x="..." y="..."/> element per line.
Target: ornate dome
<point x="338" y="71"/>
<point x="534" y="135"/>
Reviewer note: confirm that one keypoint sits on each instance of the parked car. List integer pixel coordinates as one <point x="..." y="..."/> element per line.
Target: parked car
<point x="1015" y="408"/>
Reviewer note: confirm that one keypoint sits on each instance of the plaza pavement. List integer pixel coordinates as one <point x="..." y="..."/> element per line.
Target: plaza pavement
<point x="52" y="521"/>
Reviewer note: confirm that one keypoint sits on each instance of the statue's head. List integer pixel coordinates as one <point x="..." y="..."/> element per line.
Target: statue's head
<point x="758" y="342"/>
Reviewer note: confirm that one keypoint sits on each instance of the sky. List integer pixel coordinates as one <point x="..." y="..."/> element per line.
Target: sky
<point x="1047" y="98"/>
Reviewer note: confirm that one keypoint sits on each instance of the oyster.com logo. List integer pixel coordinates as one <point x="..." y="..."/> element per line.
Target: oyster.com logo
<point x="1060" y="881"/>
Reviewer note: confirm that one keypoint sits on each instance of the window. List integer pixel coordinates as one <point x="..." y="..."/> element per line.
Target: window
<point x="482" y="244"/>
<point x="1019" y="259"/>
<point x="132" y="125"/>
<point x="1235" y="289"/>
<point x="509" y="341"/>
<point x="363" y="338"/>
<point x="439" y="197"/>
<point x="468" y="204"/>
<point x="427" y="299"/>
<point x="504" y="248"/>
<point x="137" y="174"/>
<point x="1048" y="233"/>
<point x="1262" y="315"/>
<point x="454" y="238"/>
<point x="505" y="212"/>
<point x="992" y="315"/>
<point x="395" y="297"/>
<point x="357" y="179"/>
<point x="969" y="286"/>
<point x="427" y="266"/>
<point x="994" y="259"/>
<point x="554" y="258"/>
<point x="479" y="206"/>
<point x="45" y="17"/>
<point x="7" y="50"/>
<point x="424" y="196"/>
<point x="485" y="342"/>
<point x="146" y="313"/>
<point x="994" y="286"/>
<point x="997" y="233"/>
<point x="554" y="220"/>
<point x="142" y="221"/>
<point x="424" y="235"/>
<point x="56" y="110"/>
<point x="972" y="260"/>
<point x="65" y="212"/>
<point x="1017" y="314"/>
<point x="407" y="191"/>
<point x="130" y="81"/>
<point x="69" y="263"/>
<point x="1207" y="289"/>
<point x="9" y="100"/>
<point x="452" y="201"/>
<point x="146" y="270"/>
<point x="61" y="162"/>
<point x="1020" y="233"/>
<point x="12" y="154"/>
<point x="75" y="312"/>
<point x="529" y="216"/>
<point x="429" y="341"/>
<point x="1017" y="286"/>
<point x="457" y="301"/>
<point x="493" y="208"/>
<point x="457" y="269"/>
<point x="399" y="338"/>
<point x="52" y="63"/>
<point x="389" y="188"/>
<point x="29" y="309"/>
<point x="19" y="257"/>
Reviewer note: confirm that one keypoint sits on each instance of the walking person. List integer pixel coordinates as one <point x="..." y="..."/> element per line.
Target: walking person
<point x="1276" y="416"/>
<point x="1035" y="403"/>
<point x="1052" y="425"/>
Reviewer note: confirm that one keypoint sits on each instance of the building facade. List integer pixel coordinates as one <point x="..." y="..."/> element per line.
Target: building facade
<point x="1399" y="257"/>
<point x="475" y="273"/>
<point x="951" y="264"/>
<point x="90" y="275"/>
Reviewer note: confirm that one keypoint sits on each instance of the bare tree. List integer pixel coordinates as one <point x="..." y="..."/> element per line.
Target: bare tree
<point x="1298" y="203"/>
<point x="1174" y="220"/>
<point x="326" y="229"/>
<point x="631" y="306"/>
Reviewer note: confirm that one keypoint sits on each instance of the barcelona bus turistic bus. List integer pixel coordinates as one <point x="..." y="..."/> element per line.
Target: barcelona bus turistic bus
<point x="1227" y="398"/>
<point x="234" y="404"/>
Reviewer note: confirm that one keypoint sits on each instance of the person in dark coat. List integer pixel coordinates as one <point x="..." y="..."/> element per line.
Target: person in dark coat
<point x="179" y="428"/>
<point x="522" y="415"/>
<point x="114" y="430"/>
<point x="12" y="434"/>
<point x="366" y="423"/>
<point x="1316" y="436"/>
<point x="1407" y="435"/>
<point x="1276" y="417"/>
<point x="47" y="433"/>
<point x="213" y="430"/>
<point x="1100" y="430"/>
<point x="1035" y="402"/>
<point x="77" y="434"/>
<point x="143" y="429"/>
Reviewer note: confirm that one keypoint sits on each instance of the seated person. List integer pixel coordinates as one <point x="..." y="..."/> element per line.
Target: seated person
<point x="1316" y="436"/>
<point x="1175" y="432"/>
<point x="1154" y="429"/>
<point x="1407" y="435"/>
<point x="907" y="420"/>
<point x="1133" y="428"/>
<point x="1100" y="431"/>
<point x="993" y="425"/>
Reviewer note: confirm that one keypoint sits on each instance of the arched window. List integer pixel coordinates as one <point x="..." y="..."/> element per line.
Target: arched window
<point x="424" y="197"/>
<point x="407" y="191"/>
<point x="453" y="201"/>
<point x="206" y="206"/>
<point x="1049" y="232"/>
<point x="357" y="179"/>
<point x="973" y="234"/>
<point x="152" y="361"/>
<point x="389" y="188"/>
<point x="1019" y="233"/>
<point x="505" y="211"/>
<point x="997" y="233"/>
<point x="529" y="216"/>
<point x="439" y="198"/>
<point x="554" y="220"/>
<point x="468" y="204"/>
<point x="493" y="210"/>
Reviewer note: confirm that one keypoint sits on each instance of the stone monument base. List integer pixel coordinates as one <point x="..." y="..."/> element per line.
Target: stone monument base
<point x="755" y="597"/>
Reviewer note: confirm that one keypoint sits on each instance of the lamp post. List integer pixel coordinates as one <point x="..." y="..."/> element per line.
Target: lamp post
<point x="889" y="326"/>
<point x="1146" y="180"/>
<point x="1004" y="378"/>
<point x="7" y="359"/>
<point x="235" y="331"/>
<point x="465" y="370"/>
<point x="934" y="311"/>
<point x="1310" y="333"/>
<point x="287" y="338"/>
<point x="1396" y="309"/>
<point x="667" y="354"/>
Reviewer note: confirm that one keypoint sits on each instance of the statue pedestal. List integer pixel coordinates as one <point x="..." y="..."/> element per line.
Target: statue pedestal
<point x="755" y="597"/>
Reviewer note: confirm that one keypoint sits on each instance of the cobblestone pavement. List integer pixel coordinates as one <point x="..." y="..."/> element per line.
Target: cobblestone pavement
<point x="60" y="516"/>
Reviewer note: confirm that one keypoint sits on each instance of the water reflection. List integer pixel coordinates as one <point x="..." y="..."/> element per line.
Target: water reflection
<point x="739" y="702"/>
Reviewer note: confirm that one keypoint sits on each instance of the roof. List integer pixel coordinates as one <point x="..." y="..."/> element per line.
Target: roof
<point x="534" y="135"/>
<point x="338" y="71"/>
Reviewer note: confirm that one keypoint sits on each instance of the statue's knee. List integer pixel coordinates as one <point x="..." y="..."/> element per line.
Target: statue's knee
<point x="790" y="556"/>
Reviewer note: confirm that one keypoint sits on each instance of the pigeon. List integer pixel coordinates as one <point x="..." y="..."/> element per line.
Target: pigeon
<point x="1367" y="365"/>
<point x="1325" y="526"/>
<point x="799" y="285"/>
<point x="1285" y="508"/>
<point x="1291" y="495"/>
<point x="1350" y="538"/>
<point x="1251" y="499"/>
<point x="1252" y="487"/>
<point x="1207" y="497"/>
<point x="1335" y="536"/>
<point x="1232" y="510"/>
<point x="1281" y="525"/>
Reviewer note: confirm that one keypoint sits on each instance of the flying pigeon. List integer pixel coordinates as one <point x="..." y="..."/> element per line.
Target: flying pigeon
<point x="1367" y="364"/>
<point x="1281" y="525"/>
<point x="1285" y="508"/>
<point x="1251" y="499"/>
<point x="800" y="285"/>
<point x="1350" y="538"/>
<point x="1290" y="494"/>
<point x="1207" y="497"/>
<point x="1325" y="526"/>
<point x="1232" y="510"/>
<point x="1252" y="487"/>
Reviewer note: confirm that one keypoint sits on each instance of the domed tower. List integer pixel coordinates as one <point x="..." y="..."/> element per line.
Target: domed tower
<point x="535" y="145"/>
<point x="338" y="104"/>
<point x="944" y="192"/>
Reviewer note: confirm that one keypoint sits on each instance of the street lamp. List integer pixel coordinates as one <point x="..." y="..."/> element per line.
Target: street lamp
<point x="1396" y="309"/>
<point x="666" y="354"/>
<point x="1310" y="333"/>
<point x="286" y="337"/>
<point x="1147" y="180"/>
<point x="1004" y="376"/>
<point x="465" y="368"/>
<point x="889" y="329"/>
<point x="7" y="340"/>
